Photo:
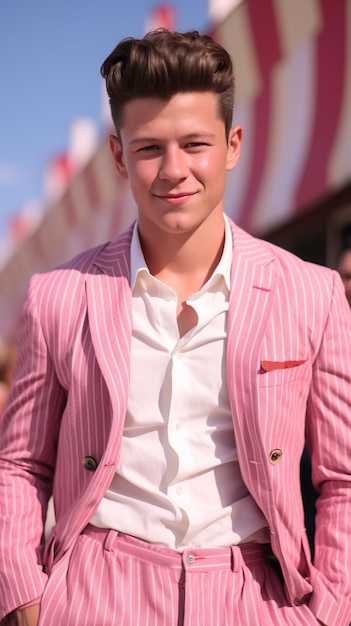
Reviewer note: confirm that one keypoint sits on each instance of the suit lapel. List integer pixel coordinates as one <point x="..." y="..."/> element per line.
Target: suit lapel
<point x="110" y="317"/>
<point x="253" y="283"/>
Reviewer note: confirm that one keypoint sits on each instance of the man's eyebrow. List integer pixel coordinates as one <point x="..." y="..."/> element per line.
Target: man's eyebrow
<point x="143" y="140"/>
<point x="199" y="135"/>
<point x="188" y="137"/>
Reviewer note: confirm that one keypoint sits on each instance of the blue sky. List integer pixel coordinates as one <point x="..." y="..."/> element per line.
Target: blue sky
<point x="50" y="57"/>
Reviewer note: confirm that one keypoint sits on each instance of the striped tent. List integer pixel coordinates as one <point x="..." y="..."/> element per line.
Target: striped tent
<point x="293" y="67"/>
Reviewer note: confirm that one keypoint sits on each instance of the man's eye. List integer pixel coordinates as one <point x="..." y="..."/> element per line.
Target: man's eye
<point x="195" y="144"/>
<point x="148" y="148"/>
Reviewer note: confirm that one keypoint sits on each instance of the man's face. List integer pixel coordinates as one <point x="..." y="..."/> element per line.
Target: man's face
<point x="175" y="155"/>
<point x="344" y="269"/>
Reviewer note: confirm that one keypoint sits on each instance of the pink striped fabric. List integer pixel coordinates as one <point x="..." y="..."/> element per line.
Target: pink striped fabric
<point x="111" y="579"/>
<point x="71" y="390"/>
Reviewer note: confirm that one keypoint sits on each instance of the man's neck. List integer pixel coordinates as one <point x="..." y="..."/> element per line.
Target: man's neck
<point x="185" y="258"/>
<point x="184" y="262"/>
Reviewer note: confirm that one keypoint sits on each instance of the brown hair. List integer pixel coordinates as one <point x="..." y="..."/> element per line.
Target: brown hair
<point x="165" y="63"/>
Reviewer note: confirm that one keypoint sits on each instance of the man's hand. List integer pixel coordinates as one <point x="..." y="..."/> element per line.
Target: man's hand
<point x="28" y="616"/>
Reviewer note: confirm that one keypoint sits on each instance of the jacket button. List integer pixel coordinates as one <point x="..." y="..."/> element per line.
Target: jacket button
<point x="89" y="463"/>
<point x="275" y="456"/>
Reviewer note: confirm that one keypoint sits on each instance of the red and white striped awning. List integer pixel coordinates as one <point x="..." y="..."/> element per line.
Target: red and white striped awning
<point x="293" y="66"/>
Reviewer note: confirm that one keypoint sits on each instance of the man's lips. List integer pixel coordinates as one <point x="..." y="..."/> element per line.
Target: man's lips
<point x="175" y="198"/>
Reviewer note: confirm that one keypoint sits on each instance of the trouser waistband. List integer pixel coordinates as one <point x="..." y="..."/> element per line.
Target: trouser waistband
<point x="190" y="558"/>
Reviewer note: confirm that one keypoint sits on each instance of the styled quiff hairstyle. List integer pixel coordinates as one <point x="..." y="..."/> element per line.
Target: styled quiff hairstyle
<point x="163" y="64"/>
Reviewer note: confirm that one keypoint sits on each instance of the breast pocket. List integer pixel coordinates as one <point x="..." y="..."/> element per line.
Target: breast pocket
<point x="278" y="374"/>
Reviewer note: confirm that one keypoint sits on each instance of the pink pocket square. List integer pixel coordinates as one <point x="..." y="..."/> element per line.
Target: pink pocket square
<point x="269" y="366"/>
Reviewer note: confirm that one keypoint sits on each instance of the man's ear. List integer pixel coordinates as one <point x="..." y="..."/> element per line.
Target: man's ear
<point x="117" y="153"/>
<point x="234" y="146"/>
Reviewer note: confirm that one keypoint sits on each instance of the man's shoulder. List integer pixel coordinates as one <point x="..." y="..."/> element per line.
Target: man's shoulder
<point x="66" y="281"/>
<point x="104" y="254"/>
<point x="286" y="262"/>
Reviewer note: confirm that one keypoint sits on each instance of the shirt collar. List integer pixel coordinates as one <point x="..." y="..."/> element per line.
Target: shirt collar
<point x="138" y="264"/>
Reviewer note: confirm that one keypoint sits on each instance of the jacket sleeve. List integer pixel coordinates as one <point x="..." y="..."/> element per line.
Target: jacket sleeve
<point x="328" y="435"/>
<point x="28" y="440"/>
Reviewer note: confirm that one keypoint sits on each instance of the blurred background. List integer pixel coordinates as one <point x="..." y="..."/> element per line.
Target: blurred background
<point x="59" y="192"/>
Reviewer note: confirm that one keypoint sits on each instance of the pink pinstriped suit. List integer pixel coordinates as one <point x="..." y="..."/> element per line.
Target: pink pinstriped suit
<point x="288" y="362"/>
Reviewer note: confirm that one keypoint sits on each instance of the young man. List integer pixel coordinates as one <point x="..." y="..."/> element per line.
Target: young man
<point x="165" y="385"/>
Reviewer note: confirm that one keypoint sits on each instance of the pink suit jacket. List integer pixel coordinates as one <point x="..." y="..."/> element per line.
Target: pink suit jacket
<point x="288" y="372"/>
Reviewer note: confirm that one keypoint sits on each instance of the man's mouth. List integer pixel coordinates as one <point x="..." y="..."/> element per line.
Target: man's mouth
<point x="176" y="198"/>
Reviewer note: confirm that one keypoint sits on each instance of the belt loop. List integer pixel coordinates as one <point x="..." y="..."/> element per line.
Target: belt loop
<point x="236" y="559"/>
<point x="110" y="540"/>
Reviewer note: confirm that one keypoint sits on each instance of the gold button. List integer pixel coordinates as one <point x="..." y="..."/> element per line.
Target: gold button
<point x="275" y="456"/>
<point x="89" y="463"/>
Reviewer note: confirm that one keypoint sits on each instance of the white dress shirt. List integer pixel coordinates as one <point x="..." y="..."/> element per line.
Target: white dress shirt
<point x="178" y="481"/>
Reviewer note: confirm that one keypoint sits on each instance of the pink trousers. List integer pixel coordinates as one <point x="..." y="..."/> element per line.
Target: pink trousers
<point x="111" y="579"/>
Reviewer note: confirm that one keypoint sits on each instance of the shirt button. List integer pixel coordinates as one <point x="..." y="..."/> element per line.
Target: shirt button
<point x="178" y="426"/>
<point x="190" y="558"/>
<point x="179" y="491"/>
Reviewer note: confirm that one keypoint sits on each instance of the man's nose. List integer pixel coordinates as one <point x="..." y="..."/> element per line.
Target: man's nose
<point x="174" y="165"/>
